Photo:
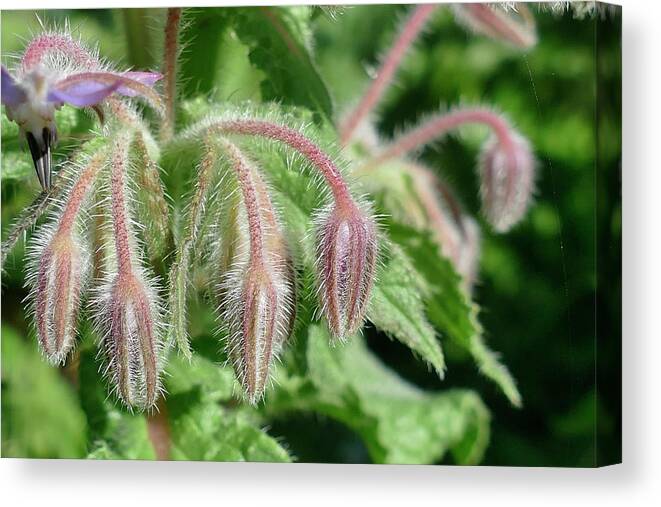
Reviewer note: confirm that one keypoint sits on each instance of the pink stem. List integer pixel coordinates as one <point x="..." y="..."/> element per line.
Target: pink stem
<point x="78" y="193"/>
<point x="385" y="74"/>
<point x="119" y="213"/>
<point x="439" y="126"/>
<point x="41" y="45"/>
<point x="298" y="142"/>
<point x="243" y="173"/>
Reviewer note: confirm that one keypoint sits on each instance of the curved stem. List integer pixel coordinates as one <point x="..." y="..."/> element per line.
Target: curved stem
<point x="385" y="74"/>
<point x="440" y="125"/>
<point x="294" y="139"/>
<point x="170" y="70"/>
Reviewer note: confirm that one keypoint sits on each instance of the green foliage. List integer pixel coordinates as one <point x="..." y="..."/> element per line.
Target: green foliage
<point x="202" y="426"/>
<point x="40" y="414"/>
<point x="275" y="42"/>
<point x="450" y="308"/>
<point x="398" y="422"/>
<point x="397" y="309"/>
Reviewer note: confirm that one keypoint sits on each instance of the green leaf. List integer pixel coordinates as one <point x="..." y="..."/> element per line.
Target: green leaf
<point x="449" y="307"/>
<point x="202" y="429"/>
<point x="397" y="309"/>
<point x="40" y="414"/>
<point x="398" y="422"/>
<point x="276" y="37"/>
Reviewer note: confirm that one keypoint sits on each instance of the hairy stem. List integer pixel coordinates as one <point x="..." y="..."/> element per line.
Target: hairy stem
<point x="250" y="199"/>
<point x="79" y="192"/>
<point x="297" y="141"/>
<point x="385" y="74"/>
<point x="172" y="26"/>
<point x="28" y="218"/>
<point x="179" y="269"/>
<point x="440" y="125"/>
<point x="120" y="218"/>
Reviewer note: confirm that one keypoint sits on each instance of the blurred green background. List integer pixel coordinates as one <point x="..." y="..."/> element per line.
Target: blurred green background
<point x="545" y="289"/>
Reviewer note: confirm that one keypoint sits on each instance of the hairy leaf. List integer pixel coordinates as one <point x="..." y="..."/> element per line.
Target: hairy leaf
<point x="449" y="307"/>
<point x="398" y="309"/>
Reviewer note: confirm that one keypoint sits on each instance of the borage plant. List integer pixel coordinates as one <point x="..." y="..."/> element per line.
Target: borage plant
<point x="294" y="232"/>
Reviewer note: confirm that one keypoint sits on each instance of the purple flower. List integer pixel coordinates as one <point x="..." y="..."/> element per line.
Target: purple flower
<point x="31" y="98"/>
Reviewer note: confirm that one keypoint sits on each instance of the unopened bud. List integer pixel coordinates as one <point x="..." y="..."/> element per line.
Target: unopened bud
<point x="346" y="260"/>
<point x="507" y="170"/>
<point x="59" y="265"/>
<point x="513" y="25"/>
<point x="57" y="296"/>
<point x="129" y="320"/>
<point x="257" y="288"/>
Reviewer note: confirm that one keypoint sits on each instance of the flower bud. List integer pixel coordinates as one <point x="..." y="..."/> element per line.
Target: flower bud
<point x="59" y="263"/>
<point x="507" y="170"/>
<point x="129" y="320"/>
<point x="257" y="285"/>
<point x="346" y="253"/>
<point x="257" y="328"/>
<point x="513" y="25"/>
<point x="57" y="291"/>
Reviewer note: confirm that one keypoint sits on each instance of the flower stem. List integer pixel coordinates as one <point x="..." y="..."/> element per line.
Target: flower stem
<point x="440" y="125"/>
<point x="120" y="217"/>
<point x="172" y="26"/>
<point x="250" y="199"/>
<point x="385" y="74"/>
<point x="286" y="135"/>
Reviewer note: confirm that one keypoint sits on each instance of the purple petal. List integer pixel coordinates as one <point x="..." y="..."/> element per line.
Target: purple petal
<point x="83" y="93"/>
<point x="146" y="78"/>
<point x="11" y="92"/>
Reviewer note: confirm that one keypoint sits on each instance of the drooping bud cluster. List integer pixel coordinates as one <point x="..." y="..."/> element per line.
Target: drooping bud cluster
<point x="59" y="268"/>
<point x="346" y="232"/>
<point x="257" y="284"/>
<point x="507" y="172"/>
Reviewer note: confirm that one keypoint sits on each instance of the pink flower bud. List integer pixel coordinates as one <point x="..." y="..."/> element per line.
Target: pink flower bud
<point x="129" y="320"/>
<point x="128" y="313"/>
<point x="59" y="267"/>
<point x="257" y="287"/>
<point x="258" y="327"/>
<point x="513" y="25"/>
<point x="57" y="296"/>
<point x="507" y="170"/>
<point x="346" y="253"/>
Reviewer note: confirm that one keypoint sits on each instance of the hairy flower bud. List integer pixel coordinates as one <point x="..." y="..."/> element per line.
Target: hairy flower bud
<point x="346" y="261"/>
<point x="59" y="267"/>
<point x="507" y="170"/>
<point x="513" y="25"/>
<point x="128" y="311"/>
<point x="257" y="285"/>
<point x="130" y="324"/>
<point x="57" y="296"/>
